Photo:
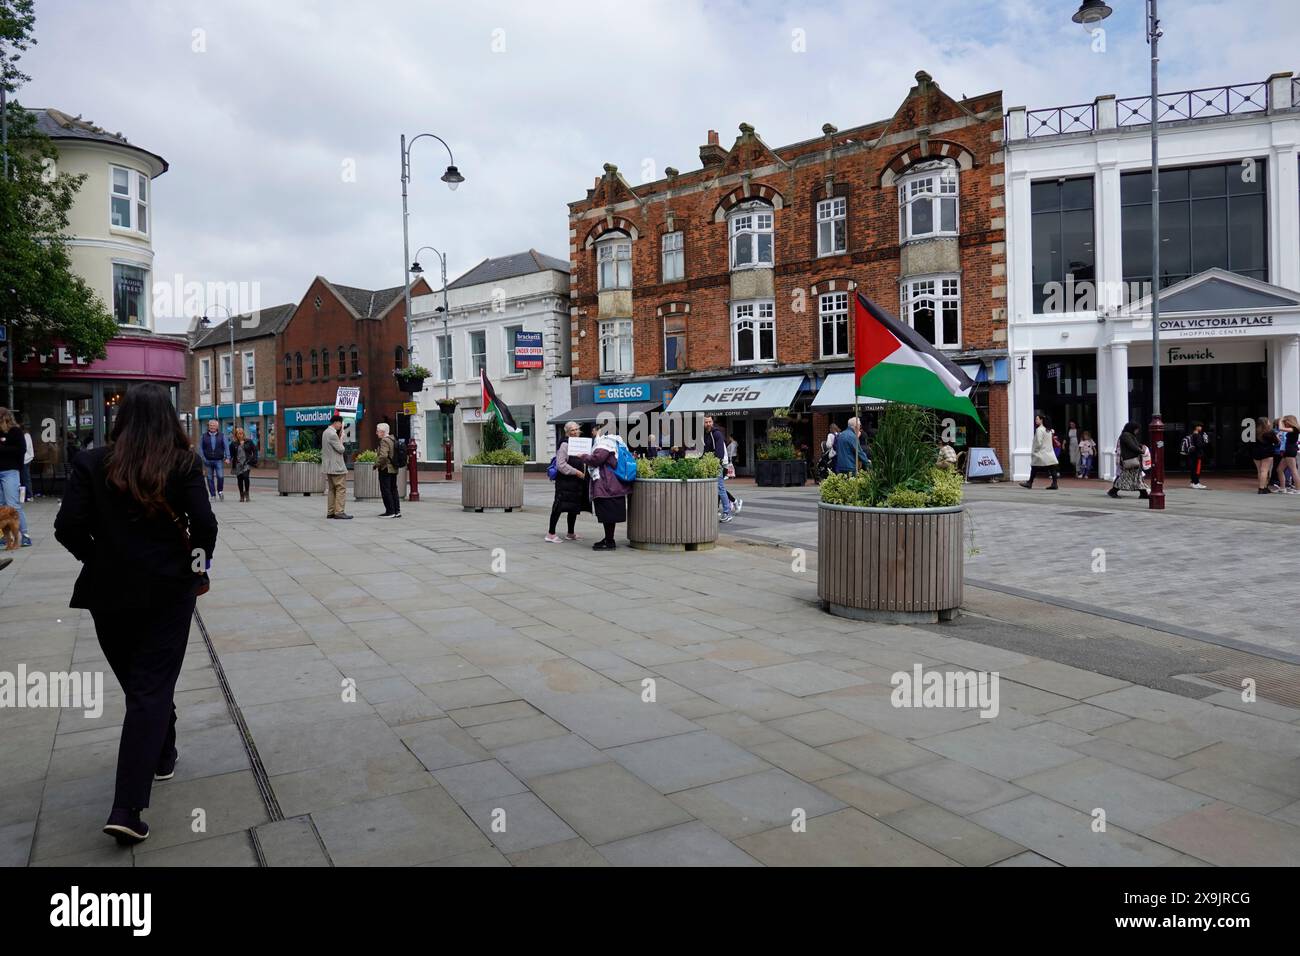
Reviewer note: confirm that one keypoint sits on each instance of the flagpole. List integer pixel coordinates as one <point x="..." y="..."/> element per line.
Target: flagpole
<point x="857" y="459"/>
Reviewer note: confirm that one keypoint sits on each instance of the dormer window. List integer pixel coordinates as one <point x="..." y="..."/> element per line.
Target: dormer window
<point x="750" y="228"/>
<point x="927" y="202"/>
<point x="614" y="263"/>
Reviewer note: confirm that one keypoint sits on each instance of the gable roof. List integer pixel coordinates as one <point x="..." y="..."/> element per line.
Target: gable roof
<point x="366" y="303"/>
<point x="270" y="321"/>
<point x="1217" y="290"/>
<point x="508" y="267"/>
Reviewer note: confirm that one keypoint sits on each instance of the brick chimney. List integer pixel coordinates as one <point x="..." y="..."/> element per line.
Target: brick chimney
<point x="712" y="153"/>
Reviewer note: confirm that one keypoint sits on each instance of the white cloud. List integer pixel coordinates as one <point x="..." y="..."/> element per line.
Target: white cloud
<point x="258" y="127"/>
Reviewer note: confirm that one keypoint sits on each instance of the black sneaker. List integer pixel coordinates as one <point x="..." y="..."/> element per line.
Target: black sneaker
<point x="603" y="546"/>
<point x="386" y="514"/>
<point x="167" y="769"/>
<point x="1113" y="493"/>
<point x="126" y="827"/>
<point x="397" y="514"/>
<point x="343" y="517"/>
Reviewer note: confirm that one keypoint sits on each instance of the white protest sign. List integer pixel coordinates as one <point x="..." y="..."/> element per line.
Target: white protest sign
<point x="579" y="447"/>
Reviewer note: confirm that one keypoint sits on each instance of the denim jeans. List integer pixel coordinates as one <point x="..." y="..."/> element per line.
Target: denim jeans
<point x="213" y="471"/>
<point x="9" y="496"/>
<point x="722" y="494"/>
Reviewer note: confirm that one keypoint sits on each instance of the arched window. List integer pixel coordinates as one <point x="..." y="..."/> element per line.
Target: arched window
<point x="315" y="365"/>
<point x="750" y="228"/>
<point x="288" y="368"/>
<point x="356" y="361"/>
<point x="397" y="357"/>
<point x="297" y="361"/>
<point x="614" y="262"/>
<point x="324" y="363"/>
<point x="343" y="363"/>
<point x="927" y="201"/>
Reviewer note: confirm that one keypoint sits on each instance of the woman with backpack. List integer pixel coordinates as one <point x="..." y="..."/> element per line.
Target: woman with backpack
<point x="1129" y="453"/>
<point x="570" y="487"/>
<point x="608" y="491"/>
<point x="1288" y="437"/>
<point x="1043" y="456"/>
<point x="243" y="458"/>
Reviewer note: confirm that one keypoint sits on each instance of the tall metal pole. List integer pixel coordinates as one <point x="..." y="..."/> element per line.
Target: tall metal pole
<point x="4" y="147"/>
<point x="412" y="456"/>
<point x="1156" y="430"/>
<point x="448" y="444"/>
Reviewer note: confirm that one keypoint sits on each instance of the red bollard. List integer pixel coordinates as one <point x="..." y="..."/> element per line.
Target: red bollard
<point x="1156" y="435"/>
<point x="413" y="469"/>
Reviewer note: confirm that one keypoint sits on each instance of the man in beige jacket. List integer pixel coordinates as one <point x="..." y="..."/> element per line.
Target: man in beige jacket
<point x="336" y="470"/>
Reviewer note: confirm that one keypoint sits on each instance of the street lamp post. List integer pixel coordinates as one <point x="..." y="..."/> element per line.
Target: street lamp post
<point x="447" y="409"/>
<point x="452" y="178"/>
<point x="1092" y="12"/>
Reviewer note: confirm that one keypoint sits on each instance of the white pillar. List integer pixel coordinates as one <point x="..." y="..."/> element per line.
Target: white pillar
<point x="1105" y="401"/>
<point x="1288" y="375"/>
<point x="1119" y="404"/>
<point x="1021" y="410"/>
<point x="1110" y="267"/>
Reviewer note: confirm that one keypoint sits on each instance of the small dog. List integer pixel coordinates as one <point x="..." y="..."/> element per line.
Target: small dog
<point x="9" y="528"/>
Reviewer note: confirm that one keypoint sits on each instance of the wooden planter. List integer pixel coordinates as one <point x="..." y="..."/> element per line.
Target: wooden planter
<point x="890" y="564"/>
<point x="492" y="487"/>
<point x="673" y="514"/>
<point x="780" y="474"/>
<point x="301" y="478"/>
<point x="365" y="481"/>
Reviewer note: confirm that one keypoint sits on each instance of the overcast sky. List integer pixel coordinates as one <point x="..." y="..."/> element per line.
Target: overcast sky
<point x="264" y="107"/>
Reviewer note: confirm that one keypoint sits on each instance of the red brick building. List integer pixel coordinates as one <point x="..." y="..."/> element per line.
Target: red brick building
<point x="340" y="335"/>
<point x="744" y="270"/>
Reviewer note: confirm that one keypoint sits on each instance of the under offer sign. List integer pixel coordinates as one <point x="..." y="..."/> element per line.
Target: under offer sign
<point x="528" y="350"/>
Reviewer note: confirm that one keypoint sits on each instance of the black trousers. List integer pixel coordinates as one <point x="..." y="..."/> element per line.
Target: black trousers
<point x="555" y="517"/>
<point x="243" y="482"/>
<point x="145" y="648"/>
<point x="388" y="489"/>
<point x="1053" y="471"/>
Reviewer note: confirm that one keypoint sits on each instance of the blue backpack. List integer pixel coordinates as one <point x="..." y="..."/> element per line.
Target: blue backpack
<point x="551" y="470"/>
<point x="625" y="470"/>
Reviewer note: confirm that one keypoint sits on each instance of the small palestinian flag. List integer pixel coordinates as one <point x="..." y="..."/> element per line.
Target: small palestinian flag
<point x="494" y="405"/>
<point x="892" y="362"/>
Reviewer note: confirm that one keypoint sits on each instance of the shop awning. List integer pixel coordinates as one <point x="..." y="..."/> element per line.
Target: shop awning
<point x="589" y="413"/>
<point x="728" y="396"/>
<point x="837" y="392"/>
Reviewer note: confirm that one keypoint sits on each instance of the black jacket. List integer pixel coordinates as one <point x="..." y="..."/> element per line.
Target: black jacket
<point x="1129" y="446"/>
<point x="13" y="449"/>
<point x="130" y="559"/>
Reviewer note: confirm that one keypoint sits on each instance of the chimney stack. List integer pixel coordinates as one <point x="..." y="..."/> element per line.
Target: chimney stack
<point x="712" y="153"/>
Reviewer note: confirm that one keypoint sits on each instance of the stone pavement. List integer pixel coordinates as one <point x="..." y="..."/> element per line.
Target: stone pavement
<point x="499" y="716"/>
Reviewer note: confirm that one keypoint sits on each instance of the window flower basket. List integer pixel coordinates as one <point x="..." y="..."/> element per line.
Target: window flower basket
<point x="411" y="378"/>
<point x="447" y="405"/>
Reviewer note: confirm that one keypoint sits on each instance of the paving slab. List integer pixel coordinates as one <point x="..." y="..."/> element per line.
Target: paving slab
<point x="847" y="837"/>
<point x="955" y="786"/>
<point x="606" y="802"/>
<point x="1064" y="835"/>
<point x="518" y="821"/>
<point x="955" y="837"/>
<point x="685" y="761"/>
<point x="1130" y="799"/>
<point x="1230" y="836"/>
<point x="690" y="844"/>
<point x="1003" y="753"/>
<point x="755" y="803"/>
<point x="405" y="829"/>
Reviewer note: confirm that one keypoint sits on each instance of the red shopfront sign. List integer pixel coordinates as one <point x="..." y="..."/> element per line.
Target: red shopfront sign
<point x="128" y="358"/>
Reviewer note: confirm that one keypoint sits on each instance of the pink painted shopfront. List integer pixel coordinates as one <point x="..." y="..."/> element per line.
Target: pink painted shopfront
<point x="68" y="403"/>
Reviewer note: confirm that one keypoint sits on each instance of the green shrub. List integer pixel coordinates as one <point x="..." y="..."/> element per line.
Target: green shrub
<point x="902" y="473"/>
<point x="309" y="454"/>
<point x="946" y="488"/>
<point x="411" y="372"/>
<point x="306" y="440"/>
<point x="494" y="436"/>
<point x="851" y="490"/>
<point x="498" y="456"/>
<point x="706" y="466"/>
<point x="905" y="498"/>
<point x="779" y="445"/>
<point x="367" y="456"/>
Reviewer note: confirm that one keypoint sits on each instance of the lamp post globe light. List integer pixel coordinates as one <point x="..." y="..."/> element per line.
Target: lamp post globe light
<point x="1089" y="14"/>
<point x="446" y="405"/>
<point x="453" y="178"/>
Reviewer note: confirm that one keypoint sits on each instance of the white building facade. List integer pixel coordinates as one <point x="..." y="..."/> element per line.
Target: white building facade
<point x="1078" y="197"/>
<point x="524" y="292"/>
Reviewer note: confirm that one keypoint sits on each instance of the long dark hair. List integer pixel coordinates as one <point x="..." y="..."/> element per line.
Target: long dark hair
<point x="148" y="447"/>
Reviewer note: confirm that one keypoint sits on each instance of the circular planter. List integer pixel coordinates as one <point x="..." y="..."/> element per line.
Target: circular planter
<point x="780" y="474"/>
<point x="492" y="487"/>
<point x="365" y="481"/>
<point x="902" y="565"/>
<point x="673" y="514"/>
<point x="300" y="478"/>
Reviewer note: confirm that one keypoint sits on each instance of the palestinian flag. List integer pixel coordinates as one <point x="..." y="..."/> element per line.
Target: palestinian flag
<point x="494" y="405"/>
<point x="892" y="362"/>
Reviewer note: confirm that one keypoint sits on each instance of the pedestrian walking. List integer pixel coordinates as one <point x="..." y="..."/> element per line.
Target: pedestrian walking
<point x="1087" y="454"/>
<point x="1072" y="447"/>
<point x="850" y="452"/>
<point x="1262" y="452"/>
<point x="13" y="446"/>
<point x="1194" y="449"/>
<point x="715" y="443"/>
<point x="215" y="450"/>
<point x="29" y="455"/>
<point x="243" y="459"/>
<point x="571" y="495"/>
<point x="137" y="517"/>
<point x="336" y="470"/>
<point x="608" y="492"/>
<point x="1043" y="455"/>
<point x="729" y="471"/>
<point x="1128" y="455"/>
<point x="1288" y="437"/>
<point x="386" y="471"/>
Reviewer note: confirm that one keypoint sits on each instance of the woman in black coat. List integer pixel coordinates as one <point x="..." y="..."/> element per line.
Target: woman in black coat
<point x="570" y="487"/>
<point x="136" y="515"/>
<point x="1128" y="463"/>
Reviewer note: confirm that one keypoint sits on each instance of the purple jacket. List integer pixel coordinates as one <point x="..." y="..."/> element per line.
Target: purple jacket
<point x="608" y="485"/>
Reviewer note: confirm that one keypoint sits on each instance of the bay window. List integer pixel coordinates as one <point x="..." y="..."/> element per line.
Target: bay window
<point x="616" y="347"/>
<point x="927" y="202"/>
<point x="932" y="306"/>
<point x="751" y="236"/>
<point x="614" y="264"/>
<point x="753" y="332"/>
